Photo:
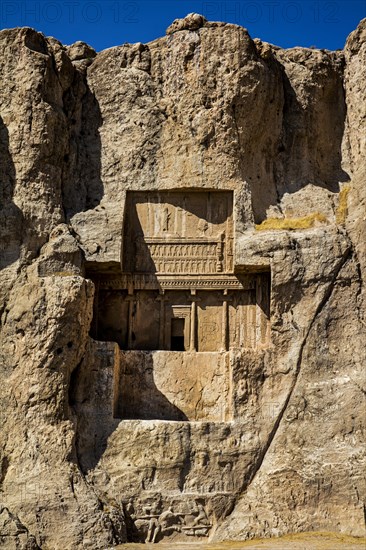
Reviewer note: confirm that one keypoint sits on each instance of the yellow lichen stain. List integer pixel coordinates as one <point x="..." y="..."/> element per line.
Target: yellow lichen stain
<point x="341" y="212"/>
<point x="63" y="274"/>
<point x="291" y="224"/>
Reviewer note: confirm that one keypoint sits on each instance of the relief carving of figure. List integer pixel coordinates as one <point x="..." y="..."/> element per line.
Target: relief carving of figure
<point x="203" y="226"/>
<point x="197" y="523"/>
<point x="166" y="219"/>
<point x="201" y="519"/>
<point x="197" y="473"/>
<point x="165" y="524"/>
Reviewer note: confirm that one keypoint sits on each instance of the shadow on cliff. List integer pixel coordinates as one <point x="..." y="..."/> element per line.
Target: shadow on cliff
<point x="309" y="149"/>
<point x="11" y="217"/>
<point x="136" y="397"/>
<point x="83" y="187"/>
<point x="139" y="396"/>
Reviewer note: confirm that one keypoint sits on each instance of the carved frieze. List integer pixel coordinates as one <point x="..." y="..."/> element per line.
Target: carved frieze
<point x="182" y="257"/>
<point x="152" y="521"/>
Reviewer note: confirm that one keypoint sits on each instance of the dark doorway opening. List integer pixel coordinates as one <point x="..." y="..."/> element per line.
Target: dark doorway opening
<point x="177" y="335"/>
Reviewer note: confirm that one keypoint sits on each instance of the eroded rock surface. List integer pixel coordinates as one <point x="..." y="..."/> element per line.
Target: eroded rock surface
<point x="249" y="420"/>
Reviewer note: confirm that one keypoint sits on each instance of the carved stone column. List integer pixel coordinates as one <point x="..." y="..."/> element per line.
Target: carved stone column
<point x="193" y="338"/>
<point x="131" y="299"/>
<point x="225" y="320"/>
<point x="162" y="321"/>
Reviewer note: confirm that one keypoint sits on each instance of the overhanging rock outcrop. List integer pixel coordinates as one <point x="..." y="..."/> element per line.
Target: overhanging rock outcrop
<point x="182" y="291"/>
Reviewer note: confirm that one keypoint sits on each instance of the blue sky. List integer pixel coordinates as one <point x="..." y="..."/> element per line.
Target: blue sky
<point x="106" y="23"/>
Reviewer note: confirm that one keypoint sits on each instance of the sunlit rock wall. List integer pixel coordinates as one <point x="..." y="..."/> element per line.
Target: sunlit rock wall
<point x="205" y="107"/>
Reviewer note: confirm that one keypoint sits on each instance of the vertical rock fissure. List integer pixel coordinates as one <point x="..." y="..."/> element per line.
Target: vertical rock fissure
<point x="327" y="294"/>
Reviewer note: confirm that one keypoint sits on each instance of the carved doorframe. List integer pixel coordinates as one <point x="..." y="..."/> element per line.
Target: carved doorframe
<point x="179" y="312"/>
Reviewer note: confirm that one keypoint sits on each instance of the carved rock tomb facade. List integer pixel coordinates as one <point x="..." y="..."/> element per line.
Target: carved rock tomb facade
<point x="177" y="295"/>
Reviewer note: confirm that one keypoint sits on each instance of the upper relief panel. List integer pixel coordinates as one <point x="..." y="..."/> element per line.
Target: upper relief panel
<point x="179" y="232"/>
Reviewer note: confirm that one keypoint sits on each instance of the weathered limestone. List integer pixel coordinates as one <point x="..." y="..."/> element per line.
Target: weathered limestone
<point x="147" y="394"/>
<point x="174" y="386"/>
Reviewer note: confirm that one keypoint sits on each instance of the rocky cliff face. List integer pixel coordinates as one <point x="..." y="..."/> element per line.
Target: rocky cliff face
<point x="204" y="108"/>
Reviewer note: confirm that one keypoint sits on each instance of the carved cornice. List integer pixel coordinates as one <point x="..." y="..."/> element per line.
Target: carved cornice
<point x="175" y="282"/>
